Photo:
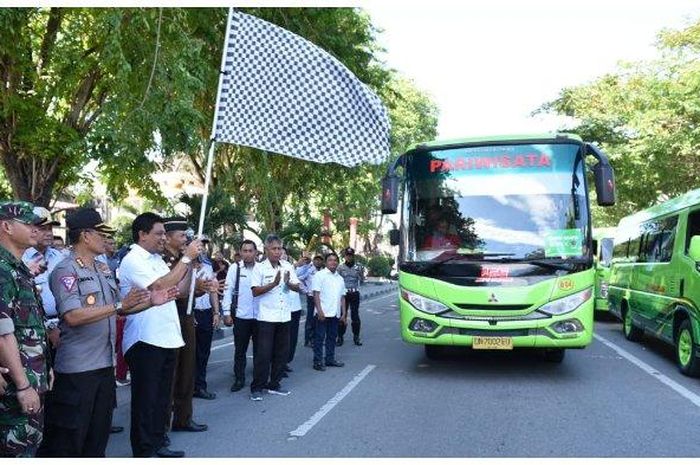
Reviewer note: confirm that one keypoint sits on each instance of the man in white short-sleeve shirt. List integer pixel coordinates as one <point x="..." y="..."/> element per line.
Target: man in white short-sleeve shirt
<point x="271" y="281"/>
<point x="152" y="336"/>
<point x="329" y="296"/>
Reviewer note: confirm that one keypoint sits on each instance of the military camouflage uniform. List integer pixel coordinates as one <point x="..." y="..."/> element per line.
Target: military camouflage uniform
<point x="21" y="313"/>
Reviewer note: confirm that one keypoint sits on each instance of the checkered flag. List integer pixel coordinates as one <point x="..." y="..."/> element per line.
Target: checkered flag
<point x="281" y="93"/>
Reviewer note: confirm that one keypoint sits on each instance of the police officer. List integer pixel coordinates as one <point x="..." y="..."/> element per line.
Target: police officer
<point x="87" y="299"/>
<point x="354" y="275"/>
<point x="23" y="347"/>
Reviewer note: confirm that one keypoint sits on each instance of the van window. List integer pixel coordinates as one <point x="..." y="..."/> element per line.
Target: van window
<point x="657" y="240"/>
<point x="620" y="249"/>
<point x="693" y="227"/>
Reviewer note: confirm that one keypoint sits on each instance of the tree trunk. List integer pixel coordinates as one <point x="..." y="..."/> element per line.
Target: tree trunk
<point x="31" y="180"/>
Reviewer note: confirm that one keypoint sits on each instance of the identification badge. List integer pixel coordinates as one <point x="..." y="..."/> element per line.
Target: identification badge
<point x="91" y="299"/>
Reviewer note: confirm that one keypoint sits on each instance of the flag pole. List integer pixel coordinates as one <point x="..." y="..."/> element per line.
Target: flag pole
<point x="210" y="156"/>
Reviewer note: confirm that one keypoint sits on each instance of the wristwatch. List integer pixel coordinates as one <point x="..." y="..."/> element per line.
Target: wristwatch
<point x="118" y="308"/>
<point x="186" y="260"/>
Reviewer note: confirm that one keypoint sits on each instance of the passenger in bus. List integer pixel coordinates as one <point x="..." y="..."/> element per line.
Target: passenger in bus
<point x="441" y="237"/>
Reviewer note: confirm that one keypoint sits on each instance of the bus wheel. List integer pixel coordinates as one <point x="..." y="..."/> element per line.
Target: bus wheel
<point x="632" y="332"/>
<point x="686" y="350"/>
<point x="554" y="355"/>
<point x="434" y="352"/>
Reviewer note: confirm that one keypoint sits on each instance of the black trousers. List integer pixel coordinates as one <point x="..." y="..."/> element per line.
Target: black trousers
<point x="352" y="300"/>
<point x="270" y="355"/>
<point x="152" y="370"/>
<point x="205" y="333"/>
<point x="310" y="320"/>
<point x="80" y="418"/>
<point x="243" y="331"/>
<point x="293" y="334"/>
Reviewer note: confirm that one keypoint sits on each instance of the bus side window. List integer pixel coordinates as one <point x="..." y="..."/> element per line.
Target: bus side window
<point x="668" y="236"/>
<point x="693" y="227"/>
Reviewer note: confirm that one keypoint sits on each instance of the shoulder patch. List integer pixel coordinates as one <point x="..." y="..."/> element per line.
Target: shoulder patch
<point x="68" y="282"/>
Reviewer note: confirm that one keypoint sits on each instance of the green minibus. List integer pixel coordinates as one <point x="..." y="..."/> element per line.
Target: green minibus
<point x="654" y="280"/>
<point x="494" y="242"/>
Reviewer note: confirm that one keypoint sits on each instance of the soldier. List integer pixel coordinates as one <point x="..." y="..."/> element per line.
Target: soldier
<point x="354" y="275"/>
<point x="87" y="300"/>
<point x="23" y="347"/>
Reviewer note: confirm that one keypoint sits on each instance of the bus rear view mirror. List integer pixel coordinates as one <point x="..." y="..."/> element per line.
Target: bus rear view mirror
<point x="390" y="194"/>
<point x="694" y="249"/>
<point x="604" y="184"/>
<point x="394" y="237"/>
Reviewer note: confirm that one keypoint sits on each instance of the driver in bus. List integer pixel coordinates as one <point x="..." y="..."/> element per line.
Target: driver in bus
<point x="441" y="238"/>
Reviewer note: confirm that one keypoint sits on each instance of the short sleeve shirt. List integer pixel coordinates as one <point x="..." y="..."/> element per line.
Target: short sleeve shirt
<point x="77" y="285"/>
<point x="331" y="289"/>
<point x="353" y="275"/>
<point x="159" y="325"/>
<point x="273" y="305"/>
<point x="52" y="257"/>
<point x="247" y="304"/>
<point x="203" y="302"/>
<point x="21" y="314"/>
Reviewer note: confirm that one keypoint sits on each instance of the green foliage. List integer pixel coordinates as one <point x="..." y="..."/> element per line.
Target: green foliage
<point x="379" y="266"/>
<point x="646" y="117"/>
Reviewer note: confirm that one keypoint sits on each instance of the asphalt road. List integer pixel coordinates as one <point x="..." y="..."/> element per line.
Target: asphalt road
<point x="614" y="399"/>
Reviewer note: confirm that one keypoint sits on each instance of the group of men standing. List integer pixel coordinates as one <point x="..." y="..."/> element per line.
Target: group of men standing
<point x="58" y="327"/>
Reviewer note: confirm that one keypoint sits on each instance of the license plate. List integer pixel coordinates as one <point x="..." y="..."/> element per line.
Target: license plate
<point x="492" y="343"/>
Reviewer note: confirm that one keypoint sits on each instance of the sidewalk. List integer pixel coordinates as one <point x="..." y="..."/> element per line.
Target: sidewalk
<point x="368" y="290"/>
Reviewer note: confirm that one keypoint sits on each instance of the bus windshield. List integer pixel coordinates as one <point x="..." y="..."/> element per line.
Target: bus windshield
<point x="506" y="203"/>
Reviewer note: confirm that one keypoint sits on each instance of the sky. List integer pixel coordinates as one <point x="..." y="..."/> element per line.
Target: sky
<point x="489" y="64"/>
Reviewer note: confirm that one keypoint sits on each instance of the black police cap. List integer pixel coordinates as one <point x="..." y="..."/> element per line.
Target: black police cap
<point x="87" y="218"/>
<point x="175" y="223"/>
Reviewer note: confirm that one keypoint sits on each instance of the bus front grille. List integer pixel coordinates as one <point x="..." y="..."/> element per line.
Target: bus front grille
<point x="489" y="307"/>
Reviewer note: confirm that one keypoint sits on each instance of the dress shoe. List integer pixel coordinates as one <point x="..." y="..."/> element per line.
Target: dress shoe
<point x="171" y="454"/>
<point x="357" y="341"/>
<point x="284" y="374"/>
<point x="319" y="367"/>
<point x="204" y="395"/>
<point x="339" y="342"/>
<point x="237" y="385"/>
<point x="288" y="369"/>
<point x="116" y="429"/>
<point x="335" y="363"/>
<point x="191" y="426"/>
<point x="166" y="440"/>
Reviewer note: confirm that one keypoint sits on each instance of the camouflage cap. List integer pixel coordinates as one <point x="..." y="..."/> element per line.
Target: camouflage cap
<point x="20" y="211"/>
<point x="45" y="215"/>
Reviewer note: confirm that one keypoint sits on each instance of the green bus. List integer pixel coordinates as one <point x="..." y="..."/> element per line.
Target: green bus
<point x="602" y="249"/>
<point x="495" y="242"/>
<point x="654" y="281"/>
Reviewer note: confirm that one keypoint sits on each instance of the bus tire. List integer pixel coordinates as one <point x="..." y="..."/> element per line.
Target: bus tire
<point x="632" y="332"/>
<point x="434" y="352"/>
<point x="554" y="355"/>
<point x="687" y="350"/>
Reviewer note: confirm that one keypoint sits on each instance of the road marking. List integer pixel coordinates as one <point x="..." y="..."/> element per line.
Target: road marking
<point x="316" y="417"/>
<point x="691" y="396"/>
<point x="221" y="345"/>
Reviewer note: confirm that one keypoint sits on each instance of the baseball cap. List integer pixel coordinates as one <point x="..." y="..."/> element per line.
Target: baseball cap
<point x="87" y="218"/>
<point x="20" y="211"/>
<point x="45" y="215"/>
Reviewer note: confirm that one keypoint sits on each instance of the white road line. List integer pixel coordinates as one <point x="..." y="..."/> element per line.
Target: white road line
<point x="221" y="345"/>
<point x="316" y="417"/>
<point x="691" y="396"/>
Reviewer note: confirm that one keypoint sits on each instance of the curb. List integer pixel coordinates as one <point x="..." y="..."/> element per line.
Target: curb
<point x="224" y="332"/>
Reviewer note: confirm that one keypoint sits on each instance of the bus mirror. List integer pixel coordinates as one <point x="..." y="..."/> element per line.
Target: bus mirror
<point x="694" y="249"/>
<point x="604" y="184"/>
<point x="394" y="237"/>
<point x="390" y="194"/>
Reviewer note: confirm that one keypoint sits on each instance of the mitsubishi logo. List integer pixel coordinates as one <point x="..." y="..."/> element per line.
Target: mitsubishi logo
<point x="493" y="298"/>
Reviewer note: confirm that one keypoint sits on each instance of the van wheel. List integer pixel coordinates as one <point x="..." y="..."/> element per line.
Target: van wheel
<point x="632" y="332"/>
<point x="687" y="350"/>
<point x="554" y="355"/>
<point x="435" y="352"/>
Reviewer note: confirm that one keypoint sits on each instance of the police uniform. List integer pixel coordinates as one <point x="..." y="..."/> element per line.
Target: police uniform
<point x="354" y="277"/>
<point x="21" y="314"/>
<point x="79" y="419"/>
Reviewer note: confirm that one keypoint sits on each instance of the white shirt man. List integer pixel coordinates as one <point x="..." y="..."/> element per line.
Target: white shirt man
<point x="247" y="304"/>
<point x="158" y="326"/>
<point x="274" y="306"/>
<point x="329" y="297"/>
<point x="331" y="288"/>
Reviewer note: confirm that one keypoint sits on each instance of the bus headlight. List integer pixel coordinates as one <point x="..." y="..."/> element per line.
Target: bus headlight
<point x="567" y="304"/>
<point x="423" y="304"/>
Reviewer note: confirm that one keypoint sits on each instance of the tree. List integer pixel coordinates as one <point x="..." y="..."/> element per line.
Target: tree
<point x="646" y="117"/>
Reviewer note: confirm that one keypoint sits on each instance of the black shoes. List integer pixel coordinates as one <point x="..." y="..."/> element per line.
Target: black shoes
<point x="170" y="454"/>
<point x="237" y="385"/>
<point x="319" y="367"/>
<point x="192" y="427"/>
<point x="335" y="363"/>
<point x="166" y="440"/>
<point x="357" y="341"/>
<point x="204" y="395"/>
<point x="288" y="369"/>
<point x="116" y="429"/>
<point x="339" y="342"/>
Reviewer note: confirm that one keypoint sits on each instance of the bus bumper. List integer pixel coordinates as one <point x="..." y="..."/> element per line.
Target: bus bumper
<point x="536" y="333"/>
